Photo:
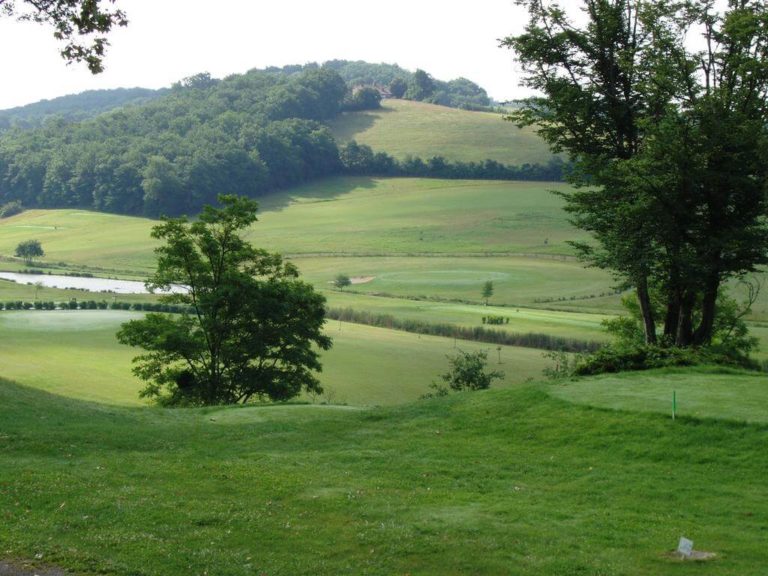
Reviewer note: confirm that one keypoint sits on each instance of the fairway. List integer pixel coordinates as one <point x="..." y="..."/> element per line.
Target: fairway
<point x="699" y="393"/>
<point x="76" y="354"/>
<point x="517" y="281"/>
<point x="412" y="216"/>
<point x="401" y="128"/>
<point x="495" y="482"/>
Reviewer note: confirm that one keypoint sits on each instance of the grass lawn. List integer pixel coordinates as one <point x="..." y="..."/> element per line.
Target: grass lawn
<point x="701" y="393"/>
<point x="75" y="353"/>
<point x="387" y="216"/>
<point x="517" y="281"/>
<point x="557" y="323"/>
<point x="402" y="128"/>
<point x="498" y="482"/>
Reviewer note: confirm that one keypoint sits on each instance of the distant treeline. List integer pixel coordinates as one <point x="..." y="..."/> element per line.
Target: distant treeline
<point x="477" y="333"/>
<point x="397" y="82"/>
<point x="360" y="159"/>
<point x="247" y="134"/>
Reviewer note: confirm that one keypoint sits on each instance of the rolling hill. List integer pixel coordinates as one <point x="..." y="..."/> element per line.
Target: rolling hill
<point x="401" y="128"/>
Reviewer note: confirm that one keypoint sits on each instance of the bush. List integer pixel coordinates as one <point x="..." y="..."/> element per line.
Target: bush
<point x="467" y="372"/>
<point x="618" y="358"/>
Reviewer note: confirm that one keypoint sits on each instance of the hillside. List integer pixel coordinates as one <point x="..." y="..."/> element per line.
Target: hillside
<point x="75" y="107"/>
<point x="402" y="128"/>
<point x="472" y="484"/>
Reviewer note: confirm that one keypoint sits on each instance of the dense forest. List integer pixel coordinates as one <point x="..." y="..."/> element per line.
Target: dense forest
<point x="247" y="134"/>
<point x="75" y="107"/>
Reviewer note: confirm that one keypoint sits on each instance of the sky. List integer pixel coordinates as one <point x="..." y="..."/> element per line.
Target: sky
<point x="167" y="40"/>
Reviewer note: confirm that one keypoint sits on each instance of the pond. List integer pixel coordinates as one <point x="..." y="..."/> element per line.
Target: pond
<point x="83" y="283"/>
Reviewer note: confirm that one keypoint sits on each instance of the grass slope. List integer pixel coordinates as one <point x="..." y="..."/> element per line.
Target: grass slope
<point x="701" y="393"/>
<point x="497" y="482"/>
<point x="403" y="128"/>
<point x="75" y="354"/>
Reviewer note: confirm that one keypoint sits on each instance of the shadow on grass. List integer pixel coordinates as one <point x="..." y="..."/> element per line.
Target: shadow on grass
<point x="325" y="190"/>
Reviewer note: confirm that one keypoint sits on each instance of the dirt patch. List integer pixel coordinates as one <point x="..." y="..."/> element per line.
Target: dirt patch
<point x="26" y="569"/>
<point x="361" y="279"/>
<point x="696" y="556"/>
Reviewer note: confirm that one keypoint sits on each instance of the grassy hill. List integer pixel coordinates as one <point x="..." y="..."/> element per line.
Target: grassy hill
<point x="402" y="128"/>
<point x="496" y="482"/>
<point x="76" y="354"/>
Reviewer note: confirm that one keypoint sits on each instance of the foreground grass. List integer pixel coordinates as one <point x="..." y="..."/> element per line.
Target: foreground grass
<point x="403" y="128"/>
<point x="76" y="354"/>
<point x="497" y="482"/>
<point x="700" y="393"/>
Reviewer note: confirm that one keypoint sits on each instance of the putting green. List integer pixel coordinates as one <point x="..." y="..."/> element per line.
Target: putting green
<point x="699" y="393"/>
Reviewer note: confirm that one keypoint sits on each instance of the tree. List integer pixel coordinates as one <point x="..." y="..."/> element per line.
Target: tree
<point x="420" y="87"/>
<point x="467" y="372"/>
<point x="29" y="250"/>
<point x="669" y="144"/>
<point x="398" y="87"/>
<point x="81" y="24"/>
<point x="254" y="329"/>
<point x="342" y="281"/>
<point x="487" y="290"/>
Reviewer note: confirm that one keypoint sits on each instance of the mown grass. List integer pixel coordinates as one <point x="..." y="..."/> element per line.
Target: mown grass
<point x="411" y="216"/>
<point x="517" y="281"/>
<point x="497" y="482"/>
<point x="403" y="128"/>
<point x="700" y="393"/>
<point x="76" y="354"/>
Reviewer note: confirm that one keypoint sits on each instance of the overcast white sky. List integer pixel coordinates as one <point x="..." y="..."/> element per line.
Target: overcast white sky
<point x="167" y="40"/>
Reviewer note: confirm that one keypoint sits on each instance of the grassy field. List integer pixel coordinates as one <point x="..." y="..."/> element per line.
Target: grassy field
<point x="403" y="128"/>
<point x="517" y="281"/>
<point x="700" y="393"/>
<point x="413" y="216"/>
<point x="498" y="482"/>
<point x="75" y="353"/>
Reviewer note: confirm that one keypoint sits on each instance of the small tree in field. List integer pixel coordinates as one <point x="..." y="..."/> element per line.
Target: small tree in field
<point x="342" y="281"/>
<point x="487" y="290"/>
<point x="29" y="250"/>
<point x="467" y="372"/>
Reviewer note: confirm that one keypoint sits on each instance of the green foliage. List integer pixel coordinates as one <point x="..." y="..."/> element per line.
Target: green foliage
<point x="475" y="333"/>
<point x="29" y="250"/>
<point x="398" y="87"/>
<point x="363" y="98"/>
<point x="468" y="371"/>
<point x="254" y="326"/>
<point x="81" y="24"/>
<point x="342" y="281"/>
<point x="487" y="290"/>
<point x="248" y="134"/>
<point x="11" y="209"/>
<point x="670" y="143"/>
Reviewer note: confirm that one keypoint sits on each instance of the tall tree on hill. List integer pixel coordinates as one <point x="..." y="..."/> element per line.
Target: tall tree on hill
<point x="670" y="143"/>
<point x="81" y="24"/>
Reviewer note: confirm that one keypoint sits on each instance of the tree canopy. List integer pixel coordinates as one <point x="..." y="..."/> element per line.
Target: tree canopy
<point x="670" y="143"/>
<point x="80" y="24"/>
<point x="29" y="250"/>
<point x="254" y="330"/>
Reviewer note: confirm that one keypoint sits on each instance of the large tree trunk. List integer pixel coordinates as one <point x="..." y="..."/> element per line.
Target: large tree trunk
<point x="646" y="309"/>
<point x="684" y="336"/>
<point x="672" y="317"/>
<point x="703" y="334"/>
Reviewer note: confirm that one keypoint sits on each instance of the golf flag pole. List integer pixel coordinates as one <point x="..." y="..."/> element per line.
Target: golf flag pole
<point x="674" y="403"/>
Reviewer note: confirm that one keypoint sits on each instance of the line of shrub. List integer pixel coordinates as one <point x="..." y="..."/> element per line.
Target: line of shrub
<point x="477" y="333"/>
<point x="93" y="305"/>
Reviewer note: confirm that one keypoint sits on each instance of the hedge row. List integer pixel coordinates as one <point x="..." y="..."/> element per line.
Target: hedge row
<point x="477" y="334"/>
<point x="93" y="305"/>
